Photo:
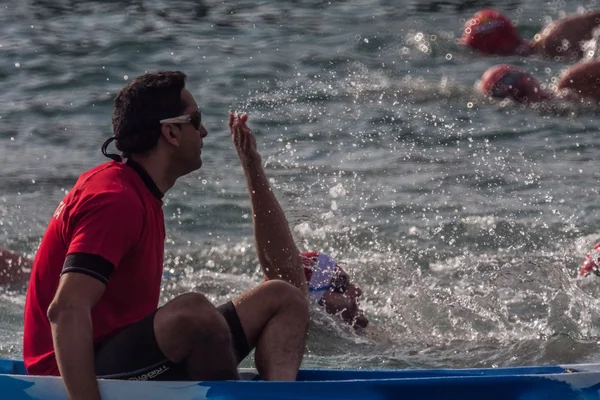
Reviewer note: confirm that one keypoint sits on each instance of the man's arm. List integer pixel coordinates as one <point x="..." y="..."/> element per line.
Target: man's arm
<point x="98" y="243"/>
<point x="277" y="252"/>
<point x="72" y="333"/>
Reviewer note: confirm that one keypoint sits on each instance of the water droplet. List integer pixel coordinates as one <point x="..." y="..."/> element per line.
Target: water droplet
<point x="334" y="205"/>
<point x="337" y="191"/>
<point x="448" y="56"/>
<point x="18" y="65"/>
<point x="469" y="105"/>
<point x="125" y="77"/>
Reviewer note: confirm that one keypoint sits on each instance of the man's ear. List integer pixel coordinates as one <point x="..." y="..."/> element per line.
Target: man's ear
<point x="170" y="133"/>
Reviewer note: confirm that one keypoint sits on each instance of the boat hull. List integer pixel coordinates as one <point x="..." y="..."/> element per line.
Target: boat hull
<point x="573" y="382"/>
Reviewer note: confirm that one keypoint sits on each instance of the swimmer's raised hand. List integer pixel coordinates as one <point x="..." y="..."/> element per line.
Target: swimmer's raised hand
<point x="243" y="139"/>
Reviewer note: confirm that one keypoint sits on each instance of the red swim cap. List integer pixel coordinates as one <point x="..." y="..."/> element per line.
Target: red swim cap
<point x="499" y="80"/>
<point x="491" y="32"/>
<point x="506" y="81"/>
<point x="591" y="262"/>
<point x="309" y="259"/>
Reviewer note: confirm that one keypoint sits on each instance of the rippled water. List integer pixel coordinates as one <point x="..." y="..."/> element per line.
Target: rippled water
<point x="464" y="220"/>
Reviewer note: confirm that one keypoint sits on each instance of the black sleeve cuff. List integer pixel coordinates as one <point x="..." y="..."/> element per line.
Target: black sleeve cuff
<point x="90" y="264"/>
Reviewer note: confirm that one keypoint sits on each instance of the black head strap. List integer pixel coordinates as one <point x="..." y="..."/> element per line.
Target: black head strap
<point x="115" y="157"/>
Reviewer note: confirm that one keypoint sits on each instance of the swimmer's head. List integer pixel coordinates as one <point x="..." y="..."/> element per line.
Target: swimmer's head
<point x="507" y="81"/>
<point x="490" y="32"/>
<point x="324" y="272"/>
<point x="331" y="287"/>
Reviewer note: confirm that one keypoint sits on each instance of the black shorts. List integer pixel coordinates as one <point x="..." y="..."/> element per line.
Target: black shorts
<point x="133" y="354"/>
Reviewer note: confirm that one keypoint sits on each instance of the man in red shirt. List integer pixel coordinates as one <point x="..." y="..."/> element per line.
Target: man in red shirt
<point x="92" y="301"/>
<point x="491" y="32"/>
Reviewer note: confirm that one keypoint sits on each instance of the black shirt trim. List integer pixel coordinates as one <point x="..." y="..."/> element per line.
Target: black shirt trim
<point x="146" y="178"/>
<point x="89" y="264"/>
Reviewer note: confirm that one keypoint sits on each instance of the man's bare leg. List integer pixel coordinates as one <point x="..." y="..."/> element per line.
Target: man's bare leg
<point x="190" y="329"/>
<point x="275" y="319"/>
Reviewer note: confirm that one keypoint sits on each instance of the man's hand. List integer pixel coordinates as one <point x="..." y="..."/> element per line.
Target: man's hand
<point x="244" y="140"/>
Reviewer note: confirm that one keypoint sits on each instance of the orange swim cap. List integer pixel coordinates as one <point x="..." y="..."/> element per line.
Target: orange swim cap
<point x="491" y="32"/>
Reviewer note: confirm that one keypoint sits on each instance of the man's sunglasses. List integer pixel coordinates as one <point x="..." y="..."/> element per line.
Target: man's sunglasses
<point x="195" y="119"/>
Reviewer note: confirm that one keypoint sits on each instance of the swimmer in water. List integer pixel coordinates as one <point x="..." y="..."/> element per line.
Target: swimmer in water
<point x="591" y="262"/>
<point x="491" y="32"/>
<point x="330" y="287"/>
<point x="580" y="82"/>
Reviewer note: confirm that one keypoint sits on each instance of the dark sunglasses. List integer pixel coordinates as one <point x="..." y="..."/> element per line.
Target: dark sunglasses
<point x="195" y="119"/>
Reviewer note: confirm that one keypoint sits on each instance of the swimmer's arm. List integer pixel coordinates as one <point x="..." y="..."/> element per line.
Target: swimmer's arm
<point x="71" y="322"/>
<point x="274" y="242"/>
<point x="577" y="81"/>
<point x="566" y="94"/>
<point x="573" y="29"/>
<point x="275" y="246"/>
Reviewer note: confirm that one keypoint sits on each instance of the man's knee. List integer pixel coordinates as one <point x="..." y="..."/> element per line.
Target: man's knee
<point x="287" y="297"/>
<point x="193" y="316"/>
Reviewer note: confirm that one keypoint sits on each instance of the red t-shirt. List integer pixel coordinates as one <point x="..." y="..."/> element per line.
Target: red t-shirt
<point x="112" y="213"/>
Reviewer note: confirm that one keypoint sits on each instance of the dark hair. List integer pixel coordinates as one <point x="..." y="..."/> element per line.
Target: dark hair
<point x="139" y="107"/>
